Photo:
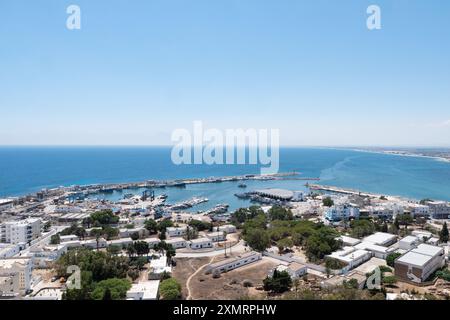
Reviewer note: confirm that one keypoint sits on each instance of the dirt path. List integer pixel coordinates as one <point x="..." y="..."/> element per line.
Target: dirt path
<point x="188" y="281"/>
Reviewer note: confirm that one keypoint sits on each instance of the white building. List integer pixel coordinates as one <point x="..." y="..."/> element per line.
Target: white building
<point x="177" y="243"/>
<point x="44" y="256"/>
<point x="10" y="250"/>
<point x="158" y="267"/>
<point x="381" y="238"/>
<point x="294" y="269"/>
<point x="338" y="213"/>
<point x="200" y="243"/>
<point x="418" y="264"/>
<point x="419" y="210"/>
<point x="15" y="276"/>
<point x="176" y="231"/>
<point x="423" y="235"/>
<point x="349" y="241"/>
<point x="376" y="250"/>
<point x="234" y="262"/>
<point x="216" y="236"/>
<point x="126" y="233"/>
<point x="6" y="204"/>
<point x="228" y="228"/>
<point x="439" y="209"/>
<point x="408" y="243"/>
<point x="70" y="237"/>
<point x="351" y="256"/>
<point x="22" y="231"/>
<point x="146" y="290"/>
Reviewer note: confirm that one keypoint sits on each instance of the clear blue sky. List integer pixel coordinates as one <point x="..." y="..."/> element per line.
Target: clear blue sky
<point x="139" y="69"/>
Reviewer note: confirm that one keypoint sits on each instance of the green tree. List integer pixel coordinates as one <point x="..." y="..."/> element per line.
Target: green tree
<point x="404" y="219"/>
<point x="97" y="233"/>
<point x="134" y="236"/>
<point x="117" y="287"/>
<point x="104" y="217"/>
<point x="280" y="213"/>
<point x="284" y="244"/>
<point x="361" y="228"/>
<point x="257" y="239"/>
<point x="47" y="226"/>
<point x="327" y="202"/>
<point x="151" y="226"/>
<point x="390" y="259"/>
<point x="279" y="282"/>
<point x="170" y="252"/>
<point x="55" y="239"/>
<point x="443" y="234"/>
<point x="170" y="289"/>
<point x="141" y="247"/>
<point x="199" y="225"/>
<point x="114" y="249"/>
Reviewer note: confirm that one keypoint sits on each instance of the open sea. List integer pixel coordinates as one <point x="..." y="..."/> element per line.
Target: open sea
<point x="28" y="169"/>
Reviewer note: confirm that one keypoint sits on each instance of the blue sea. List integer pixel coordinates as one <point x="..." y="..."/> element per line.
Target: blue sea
<point x="28" y="169"/>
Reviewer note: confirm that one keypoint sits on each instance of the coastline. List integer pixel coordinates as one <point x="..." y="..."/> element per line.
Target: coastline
<point x="400" y="153"/>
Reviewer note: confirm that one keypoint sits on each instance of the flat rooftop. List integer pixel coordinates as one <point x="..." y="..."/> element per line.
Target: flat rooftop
<point x="414" y="258"/>
<point x="349" y="240"/>
<point x="409" y="239"/>
<point x="427" y="249"/>
<point x="276" y="193"/>
<point x="380" y="238"/>
<point x="148" y="289"/>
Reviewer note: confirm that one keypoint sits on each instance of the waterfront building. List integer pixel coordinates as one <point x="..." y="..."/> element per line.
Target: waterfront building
<point x="419" y="210"/>
<point x="6" y="204"/>
<point x="276" y="194"/>
<point x="439" y="209"/>
<point x="344" y="212"/>
<point x="22" y="231"/>
<point x="418" y="264"/>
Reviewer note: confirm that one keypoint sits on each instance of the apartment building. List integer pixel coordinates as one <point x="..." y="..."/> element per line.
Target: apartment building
<point x="439" y="209"/>
<point x="15" y="276"/>
<point x="22" y="231"/>
<point x="338" y="213"/>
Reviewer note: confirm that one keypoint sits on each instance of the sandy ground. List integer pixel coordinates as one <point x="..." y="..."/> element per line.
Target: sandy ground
<point x="230" y="285"/>
<point x="186" y="267"/>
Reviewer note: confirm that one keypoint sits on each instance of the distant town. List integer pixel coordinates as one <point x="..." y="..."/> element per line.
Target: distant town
<point x="324" y="243"/>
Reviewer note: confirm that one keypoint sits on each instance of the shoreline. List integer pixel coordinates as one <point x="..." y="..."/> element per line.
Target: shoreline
<point x="401" y="153"/>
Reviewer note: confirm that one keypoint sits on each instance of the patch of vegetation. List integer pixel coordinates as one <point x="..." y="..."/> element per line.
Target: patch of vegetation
<point x="390" y="259"/>
<point x="170" y="289"/>
<point x="278" y="283"/>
